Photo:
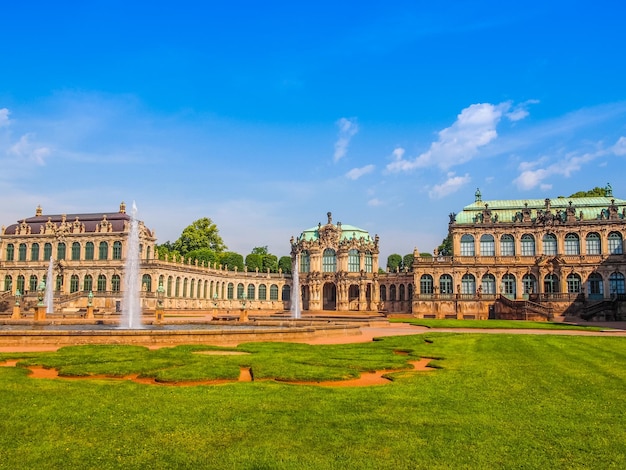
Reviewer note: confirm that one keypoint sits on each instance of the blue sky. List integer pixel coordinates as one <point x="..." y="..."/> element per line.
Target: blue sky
<point x="264" y="116"/>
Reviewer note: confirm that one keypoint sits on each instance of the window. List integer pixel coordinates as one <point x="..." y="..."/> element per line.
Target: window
<point x="445" y="284"/>
<point x="551" y="284"/>
<point x="593" y="245"/>
<point x="240" y="291"/>
<point x="487" y="245"/>
<point x="22" y="252"/>
<point x="8" y="283"/>
<point x="75" y="251"/>
<point x="572" y="245"/>
<point x="185" y="287"/>
<point x="61" y="251"/>
<point x="273" y="292"/>
<point x="615" y="243"/>
<point x="103" y="251"/>
<point x="231" y="291"/>
<point x="507" y="245"/>
<point x="616" y="283"/>
<point x="262" y="292"/>
<point x="20" y="283"/>
<point x="192" y="288"/>
<point x="47" y="251"/>
<point x="468" y="284"/>
<point x="549" y="244"/>
<point x="329" y="261"/>
<point x="573" y="283"/>
<point x="353" y="261"/>
<point x="595" y="286"/>
<point x="10" y="252"/>
<point x="305" y="262"/>
<point x="32" y="282"/>
<point x="528" y="245"/>
<point x="115" y="283"/>
<point x="117" y="250"/>
<point x="392" y="292"/>
<point x="467" y="245"/>
<point x="88" y="283"/>
<point x="146" y="282"/>
<point x="488" y="284"/>
<point x="89" y="251"/>
<point x="34" y="252"/>
<point x="74" y="283"/>
<point x="170" y="281"/>
<point x="102" y="283"/>
<point x="368" y="262"/>
<point x="401" y="291"/>
<point x="59" y="282"/>
<point x="286" y="296"/>
<point x="508" y="285"/>
<point x="251" y="292"/>
<point x="383" y="293"/>
<point x="426" y="284"/>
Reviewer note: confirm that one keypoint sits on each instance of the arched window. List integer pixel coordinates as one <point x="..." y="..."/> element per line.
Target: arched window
<point x="616" y="283"/>
<point x="410" y="292"/>
<point x="468" y="284"/>
<point x="88" y="283"/>
<point x="286" y="296"/>
<point x="47" y="251"/>
<point x="32" y="283"/>
<point x="392" y="292"/>
<point x="551" y="284"/>
<point x="262" y="292"/>
<point x="192" y="289"/>
<point x="59" y="282"/>
<point x="115" y="283"/>
<point x="273" y="292"/>
<point x="467" y="245"/>
<point x="231" y="291"/>
<point x="369" y="263"/>
<point x="117" y="250"/>
<point x="593" y="244"/>
<point x="305" y="262"/>
<point x="615" y="243"/>
<point x="595" y="286"/>
<point x="488" y="284"/>
<point x="446" y="286"/>
<point x="329" y="261"/>
<point x="383" y="293"/>
<point x="170" y="281"/>
<point x="401" y="291"/>
<point x="528" y="245"/>
<point x="8" y="283"/>
<point x="354" y="261"/>
<point x="10" y="252"/>
<point x="74" y="283"/>
<point x="240" y="291"/>
<point x="572" y="244"/>
<point x="199" y="292"/>
<point x="507" y="245"/>
<point x="185" y="286"/>
<point x="426" y="284"/>
<point x="20" y="283"/>
<point x="146" y="282"/>
<point x="61" y="251"/>
<point x="487" y="245"/>
<point x="177" y="287"/>
<point x="75" y="251"/>
<point x="34" y="252"/>
<point x="549" y="244"/>
<point x="573" y="283"/>
<point x="148" y="253"/>
<point x="508" y="285"/>
<point x="102" y="283"/>
<point x="251" y="293"/>
<point x="22" y="252"/>
<point x="89" y="251"/>
<point x="103" y="250"/>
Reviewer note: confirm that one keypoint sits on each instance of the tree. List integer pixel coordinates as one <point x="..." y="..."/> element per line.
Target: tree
<point x="284" y="264"/>
<point x="445" y="249"/>
<point x="260" y="250"/>
<point x="254" y="261"/>
<point x="270" y="262"/>
<point x="202" y="233"/>
<point x="394" y="262"/>
<point x="231" y="260"/>
<point x="407" y="261"/>
<point x="595" y="192"/>
<point x="205" y="255"/>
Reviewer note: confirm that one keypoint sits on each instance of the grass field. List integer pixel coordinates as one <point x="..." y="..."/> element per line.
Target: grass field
<point x="495" y="324"/>
<point x="495" y="401"/>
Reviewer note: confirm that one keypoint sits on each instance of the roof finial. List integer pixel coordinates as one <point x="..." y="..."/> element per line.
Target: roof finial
<point x="122" y="208"/>
<point x="38" y="211"/>
<point x="330" y="217"/>
<point x="477" y="196"/>
<point x="608" y="191"/>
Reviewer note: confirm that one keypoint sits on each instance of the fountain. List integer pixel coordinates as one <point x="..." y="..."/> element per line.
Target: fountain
<point x="49" y="294"/>
<point x="295" y="289"/>
<point x="131" y="304"/>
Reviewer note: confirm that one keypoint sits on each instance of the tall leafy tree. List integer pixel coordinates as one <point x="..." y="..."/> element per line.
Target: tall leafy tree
<point x="445" y="249"/>
<point x="231" y="260"/>
<point x="595" y="192"/>
<point x="254" y="261"/>
<point x="270" y="262"/>
<point x="205" y="255"/>
<point x="284" y="263"/>
<point x="394" y="262"/>
<point x="407" y="261"/>
<point x="202" y="233"/>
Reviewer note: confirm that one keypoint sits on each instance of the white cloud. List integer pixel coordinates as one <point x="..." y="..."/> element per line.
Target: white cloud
<point x="474" y="128"/>
<point x="4" y="117"/>
<point x="520" y="111"/>
<point x="24" y="148"/>
<point x="347" y="129"/>
<point x="374" y="202"/>
<point x="356" y="173"/>
<point x="534" y="174"/>
<point x="620" y="147"/>
<point x="451" y="185"/>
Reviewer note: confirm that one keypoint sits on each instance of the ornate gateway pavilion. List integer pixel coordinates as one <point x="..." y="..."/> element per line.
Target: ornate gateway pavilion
<point x="525" y="259"/>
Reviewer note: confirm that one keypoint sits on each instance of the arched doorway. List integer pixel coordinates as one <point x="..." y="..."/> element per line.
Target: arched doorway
<point x="330" y="297"/>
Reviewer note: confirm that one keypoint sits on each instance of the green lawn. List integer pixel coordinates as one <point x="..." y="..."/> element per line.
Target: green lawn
<point x="495" y="401"/>
<point x="495" y="324"/>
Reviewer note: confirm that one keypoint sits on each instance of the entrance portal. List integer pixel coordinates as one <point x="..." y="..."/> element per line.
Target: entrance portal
<point x="330" y="297"/>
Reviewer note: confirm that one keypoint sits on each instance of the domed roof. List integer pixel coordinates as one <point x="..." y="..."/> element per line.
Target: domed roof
<point x="348" y="232"/>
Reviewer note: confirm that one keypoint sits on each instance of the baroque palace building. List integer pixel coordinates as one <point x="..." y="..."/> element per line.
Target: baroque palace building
<point x="525" y="259"/>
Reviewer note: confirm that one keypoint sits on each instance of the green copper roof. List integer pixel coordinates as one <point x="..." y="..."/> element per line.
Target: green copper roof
<point x="589" y="207"/>
<point x="347" y="232"/>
